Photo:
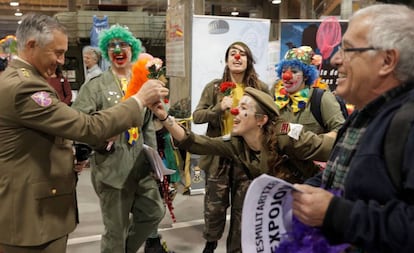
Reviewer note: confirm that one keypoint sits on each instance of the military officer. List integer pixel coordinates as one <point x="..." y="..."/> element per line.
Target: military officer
<point x="260" y="142"/>
<point x="37" y="181"/>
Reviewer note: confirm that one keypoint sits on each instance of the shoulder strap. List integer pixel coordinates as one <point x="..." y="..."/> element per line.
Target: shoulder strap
<point x="315" y="105"/>
<point x="395" y="141"/>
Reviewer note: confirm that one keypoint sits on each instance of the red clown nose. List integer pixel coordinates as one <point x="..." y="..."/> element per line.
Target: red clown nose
<point x="287" y="75"/>
<point x="237" y="56"/>
<point x="234" y="111"/>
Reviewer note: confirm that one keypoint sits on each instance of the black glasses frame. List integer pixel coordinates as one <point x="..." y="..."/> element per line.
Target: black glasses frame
<point x="357" y="49"/>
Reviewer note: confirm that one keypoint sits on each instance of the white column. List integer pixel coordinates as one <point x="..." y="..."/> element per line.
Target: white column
<point x="346" y="9"/>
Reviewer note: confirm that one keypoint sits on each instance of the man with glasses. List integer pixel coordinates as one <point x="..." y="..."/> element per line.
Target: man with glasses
<point x="359" y="202"/>
<point x="121" y="174"/>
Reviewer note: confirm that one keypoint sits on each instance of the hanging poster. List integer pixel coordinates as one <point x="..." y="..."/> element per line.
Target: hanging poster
<point x="324" y="36"/>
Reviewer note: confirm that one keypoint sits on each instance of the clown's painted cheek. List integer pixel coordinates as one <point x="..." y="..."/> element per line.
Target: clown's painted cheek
<point x="295" y="82"/>
<point x="245" y="115"/>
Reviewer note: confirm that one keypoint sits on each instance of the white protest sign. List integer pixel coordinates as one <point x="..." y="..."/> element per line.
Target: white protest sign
<point x="267" y="214"/>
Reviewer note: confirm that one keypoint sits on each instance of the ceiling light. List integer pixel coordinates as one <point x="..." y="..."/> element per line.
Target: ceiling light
<point x="14" y="3"/>
<point x="276" y="1"/>
<point x="234" y="12"/>
<point x="18" y="13"/>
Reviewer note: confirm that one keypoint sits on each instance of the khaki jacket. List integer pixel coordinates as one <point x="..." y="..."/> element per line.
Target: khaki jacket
<point x="307" y="148"/>
<point x="113" y="168"/>
<point x="208" y="111"/>
<point x="37" y="181"/>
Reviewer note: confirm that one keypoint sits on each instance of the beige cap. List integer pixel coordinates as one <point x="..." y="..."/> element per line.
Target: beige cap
<point x="264" y="100"/>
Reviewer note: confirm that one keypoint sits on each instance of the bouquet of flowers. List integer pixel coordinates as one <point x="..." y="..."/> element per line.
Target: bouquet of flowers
<point x="147" y="67"/>
<point x="155" y="68"/>
<point x="227" y="87"/>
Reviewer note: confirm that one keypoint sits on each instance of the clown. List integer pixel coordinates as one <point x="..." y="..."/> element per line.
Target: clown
<point x="121" y="174"/>
<point x="297" y="75"/>
<point x="293" y="92"/>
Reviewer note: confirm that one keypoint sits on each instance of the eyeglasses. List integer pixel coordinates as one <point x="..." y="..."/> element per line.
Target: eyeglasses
<point x="121" y="44"/>
<point x="342" y="50"/>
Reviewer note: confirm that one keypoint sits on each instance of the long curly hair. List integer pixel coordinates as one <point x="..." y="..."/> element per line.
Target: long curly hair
<point x="269" y="140"/>
<point x="119" y="32"/>
<point x="250" y="78"/>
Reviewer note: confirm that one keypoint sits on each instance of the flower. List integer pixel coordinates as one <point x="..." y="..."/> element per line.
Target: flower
<point x="155" y="68"/>
<point x="227" y="87"/>
<point x="316" y="60"/>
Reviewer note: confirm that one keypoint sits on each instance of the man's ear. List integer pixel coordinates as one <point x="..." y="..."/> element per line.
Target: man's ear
<point x="31" y="44"/>
<point x="391" y="58"/>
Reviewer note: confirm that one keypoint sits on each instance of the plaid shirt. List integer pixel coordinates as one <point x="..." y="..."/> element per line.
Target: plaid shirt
<point x="349" y="137"/>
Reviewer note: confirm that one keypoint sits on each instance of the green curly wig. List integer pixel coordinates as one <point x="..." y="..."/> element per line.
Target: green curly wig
<point x="119" y="32"/>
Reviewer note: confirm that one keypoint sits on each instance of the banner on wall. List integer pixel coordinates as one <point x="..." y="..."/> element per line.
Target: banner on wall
<point x="211" y="37"/>
<point x="324" y="36"/>
<point x="174" y="45"/>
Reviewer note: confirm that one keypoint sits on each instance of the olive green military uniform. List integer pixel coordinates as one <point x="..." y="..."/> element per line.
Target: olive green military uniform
<point x="37" y="181"/>
<point x="123" y="178"/>
<point x="330" y="112"/>
<point x="217" y="188"/>
<point x="244" y="161"/>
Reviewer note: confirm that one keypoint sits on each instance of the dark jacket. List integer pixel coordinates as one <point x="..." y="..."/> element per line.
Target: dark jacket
<point x="373" y="214"/>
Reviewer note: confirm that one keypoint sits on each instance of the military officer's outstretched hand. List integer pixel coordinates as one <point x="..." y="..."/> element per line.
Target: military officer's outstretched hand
<point x="151" y="92"/>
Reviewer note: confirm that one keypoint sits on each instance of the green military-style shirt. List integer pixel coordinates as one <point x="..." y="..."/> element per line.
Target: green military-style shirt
<point x="101" y="93"/>
<point x="209" y="111"/>
<point x="308" y="147"/>
<point x="330" y="112"/>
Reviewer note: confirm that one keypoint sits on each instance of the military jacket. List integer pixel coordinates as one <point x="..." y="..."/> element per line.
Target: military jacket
<point x="113" y="168"/>
<point x="37" y="181"/>
<point x="330" y="111"/>
<point x="208" y="111"/>
<point x="309" y="146"/>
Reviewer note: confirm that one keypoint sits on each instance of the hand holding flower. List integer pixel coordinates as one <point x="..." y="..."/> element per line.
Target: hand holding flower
<point x="155" y="68"/>
<point x="226" y="103"/>
<point x="227" y="87"/>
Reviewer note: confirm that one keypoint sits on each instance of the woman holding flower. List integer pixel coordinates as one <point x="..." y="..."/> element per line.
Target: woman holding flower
<point x="217" y="98"/>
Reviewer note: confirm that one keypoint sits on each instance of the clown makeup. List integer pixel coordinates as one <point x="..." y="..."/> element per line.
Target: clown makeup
<point x="237" y="59"/>
<point x="246" y="120"/>
<point x="119" y="53"/>
<point x="293" y="79"/>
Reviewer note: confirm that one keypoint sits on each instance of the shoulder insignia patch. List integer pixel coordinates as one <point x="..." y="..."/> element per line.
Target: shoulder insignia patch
<point x="284" y="128"/>
<point x="42" y="98"/>
<point x="25" y="72"/>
